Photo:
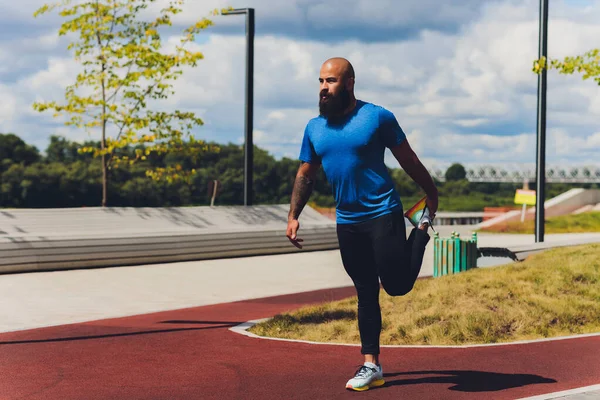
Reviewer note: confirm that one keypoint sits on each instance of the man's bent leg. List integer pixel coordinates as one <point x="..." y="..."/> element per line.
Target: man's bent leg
<point x="398" y="260"/>
<point x="414" y="253"/>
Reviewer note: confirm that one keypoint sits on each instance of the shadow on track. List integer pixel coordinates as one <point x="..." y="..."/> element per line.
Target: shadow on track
<point x="469" y="381"/>
<point x="214" y="325"/>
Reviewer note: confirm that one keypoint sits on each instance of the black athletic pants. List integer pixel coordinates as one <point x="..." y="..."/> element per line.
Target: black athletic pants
<point x="379" y="250"/>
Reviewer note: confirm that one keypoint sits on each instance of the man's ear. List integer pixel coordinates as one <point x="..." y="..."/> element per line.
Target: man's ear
<point x="350" y="83"/>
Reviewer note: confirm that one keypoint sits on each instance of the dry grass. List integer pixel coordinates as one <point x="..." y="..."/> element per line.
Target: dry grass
<point x="573" y="223"/>
<point x="554" y="293"/>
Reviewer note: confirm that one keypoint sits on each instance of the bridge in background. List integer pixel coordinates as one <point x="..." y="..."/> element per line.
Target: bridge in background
<point x="519" y="173"/>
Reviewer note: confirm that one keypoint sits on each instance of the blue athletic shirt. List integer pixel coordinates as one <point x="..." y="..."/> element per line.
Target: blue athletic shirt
<point x="351" y="152"/>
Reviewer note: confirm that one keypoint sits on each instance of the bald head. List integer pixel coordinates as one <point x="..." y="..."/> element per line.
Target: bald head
<point x="336" y="93"/>
<point x="339" y="65"/>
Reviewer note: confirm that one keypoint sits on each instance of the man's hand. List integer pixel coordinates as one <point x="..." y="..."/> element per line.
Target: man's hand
<point x="432" y="205"/>
<point x="292" y="231"/>
<point x="303" y="186"/>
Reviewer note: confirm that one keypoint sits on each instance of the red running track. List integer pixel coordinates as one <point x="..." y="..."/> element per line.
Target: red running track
<point x="191" y="354"/>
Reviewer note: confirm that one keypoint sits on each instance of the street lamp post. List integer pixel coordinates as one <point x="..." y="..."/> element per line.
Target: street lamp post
<point x="249" y="112"/>
<point x="541" y="127"/>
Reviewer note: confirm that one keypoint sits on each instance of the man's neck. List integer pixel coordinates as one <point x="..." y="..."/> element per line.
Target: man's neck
<point x="351" y="107"/>
<point x="348" y="110"/>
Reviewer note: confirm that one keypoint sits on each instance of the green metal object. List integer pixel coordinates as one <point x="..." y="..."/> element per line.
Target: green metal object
<point x="453" y="255"/>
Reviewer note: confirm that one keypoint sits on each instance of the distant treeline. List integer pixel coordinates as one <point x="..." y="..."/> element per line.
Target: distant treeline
<point x="64" y="178"/>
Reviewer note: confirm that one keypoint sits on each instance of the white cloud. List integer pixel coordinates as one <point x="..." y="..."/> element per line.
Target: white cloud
<point x="8" y="106"/>
<point x="59" y="73"/>
<point x="466" y="95"/>
<point x="276" y="115"/>
<point x="20" y="9"/>
<point x="338" y="20"/>
<point x="469" y="123"/>
<point x="565" y="144"/>
<point x="594" y="141"/>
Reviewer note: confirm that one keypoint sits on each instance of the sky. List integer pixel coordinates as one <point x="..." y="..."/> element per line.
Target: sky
<point x="456" y="74"/>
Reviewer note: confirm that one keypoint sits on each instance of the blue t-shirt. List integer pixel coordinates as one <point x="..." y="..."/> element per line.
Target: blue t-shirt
<point x="352" y="154"/>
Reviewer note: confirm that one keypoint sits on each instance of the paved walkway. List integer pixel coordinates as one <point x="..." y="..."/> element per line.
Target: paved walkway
<point x="583" y="393"/>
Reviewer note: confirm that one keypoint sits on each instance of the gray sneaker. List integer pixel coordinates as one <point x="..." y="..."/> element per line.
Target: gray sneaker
<point x="367" y="376"/>
<point x="425" y="220"/>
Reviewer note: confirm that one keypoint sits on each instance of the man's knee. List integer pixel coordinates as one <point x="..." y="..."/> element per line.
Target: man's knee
<point x="398" y="289"/>
<point x="368" y="295"/>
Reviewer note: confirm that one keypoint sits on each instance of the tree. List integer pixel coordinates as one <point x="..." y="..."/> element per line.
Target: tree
<point x="125" y="67"/>
<point x="455" y="172"/>
<point x="588" y="64"/>
<point x="13" y="150"/>
<point x="63" y="151"/>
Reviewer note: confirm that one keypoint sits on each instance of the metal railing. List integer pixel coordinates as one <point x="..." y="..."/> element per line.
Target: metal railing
<point x="518" y="173"/>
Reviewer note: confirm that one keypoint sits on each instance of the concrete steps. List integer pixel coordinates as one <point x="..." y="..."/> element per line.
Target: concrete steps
<point x="587" y="208"/>
<point x="129" y="220"/>
<point x="565" y="203"/>
<point x="51" y="239"/>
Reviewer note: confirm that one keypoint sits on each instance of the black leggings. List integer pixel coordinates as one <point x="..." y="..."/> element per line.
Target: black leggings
<point x="379" y="250"/>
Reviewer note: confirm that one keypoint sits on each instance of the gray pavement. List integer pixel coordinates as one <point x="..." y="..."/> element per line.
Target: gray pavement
<point x="591" y="395"/>
<point x="33" y="300"/>
<point x="584" y="393"/>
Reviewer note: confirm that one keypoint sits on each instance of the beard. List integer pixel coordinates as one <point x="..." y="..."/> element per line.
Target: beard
<point x="334" y="105"/>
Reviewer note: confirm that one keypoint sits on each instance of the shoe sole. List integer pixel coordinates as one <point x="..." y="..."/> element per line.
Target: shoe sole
<point x="379" y="382"/>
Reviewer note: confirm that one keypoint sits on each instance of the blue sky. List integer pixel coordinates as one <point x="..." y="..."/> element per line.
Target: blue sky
<point x="456" y="74"/>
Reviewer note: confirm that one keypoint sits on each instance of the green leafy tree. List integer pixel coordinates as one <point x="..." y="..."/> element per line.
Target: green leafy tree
<point x="588" y="64"/>
<point x="60" y="149"/>
<point x="456" y="172"/>
<point x="125" y="68"/>
<point x="13" y="150"/>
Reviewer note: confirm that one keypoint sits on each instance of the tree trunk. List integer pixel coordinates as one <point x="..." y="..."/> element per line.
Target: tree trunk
<point x="104" y="177"/>
<point x="103" y="144"/>
<point x="103" y="141"/>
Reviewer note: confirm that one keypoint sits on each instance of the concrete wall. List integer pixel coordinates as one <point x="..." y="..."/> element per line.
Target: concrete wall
<point x="49" y="239"/>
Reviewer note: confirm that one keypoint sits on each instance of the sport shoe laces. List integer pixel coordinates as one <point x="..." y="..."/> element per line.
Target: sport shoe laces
<point x="365" y="372"/>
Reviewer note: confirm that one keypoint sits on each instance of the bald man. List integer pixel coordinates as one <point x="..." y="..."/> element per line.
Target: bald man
<point x="348" y="139"/>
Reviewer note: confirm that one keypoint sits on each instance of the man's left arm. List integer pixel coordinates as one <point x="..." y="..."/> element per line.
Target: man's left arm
<point x="416" y="170"/>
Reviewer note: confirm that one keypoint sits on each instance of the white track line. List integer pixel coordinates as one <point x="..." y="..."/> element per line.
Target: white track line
<point x="563" y="393"/>
<point x="242" y="329"/>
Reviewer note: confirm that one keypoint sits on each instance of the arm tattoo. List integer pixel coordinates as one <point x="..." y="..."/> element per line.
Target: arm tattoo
<point x="303" y="187"/>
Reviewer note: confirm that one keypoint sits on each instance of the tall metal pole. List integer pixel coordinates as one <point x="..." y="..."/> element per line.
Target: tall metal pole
<point x="541" y="128"/>
<point x="249" y="107"/>
<point x="249" y="145"/>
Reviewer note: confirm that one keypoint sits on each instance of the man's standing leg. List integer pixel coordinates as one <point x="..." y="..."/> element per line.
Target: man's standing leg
<point x="358" y="260"/>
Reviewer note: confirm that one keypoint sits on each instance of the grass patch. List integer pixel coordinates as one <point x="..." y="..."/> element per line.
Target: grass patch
<point x="572" y="223"/>
<point x="554" y="293"/>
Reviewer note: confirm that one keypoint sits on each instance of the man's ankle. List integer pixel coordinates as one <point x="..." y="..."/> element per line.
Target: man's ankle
<point x="372" y="358"/>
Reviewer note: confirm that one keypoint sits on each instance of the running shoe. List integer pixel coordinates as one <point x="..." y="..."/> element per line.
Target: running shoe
<point x="425" y="220"/>
<point x="367" y="376"/>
